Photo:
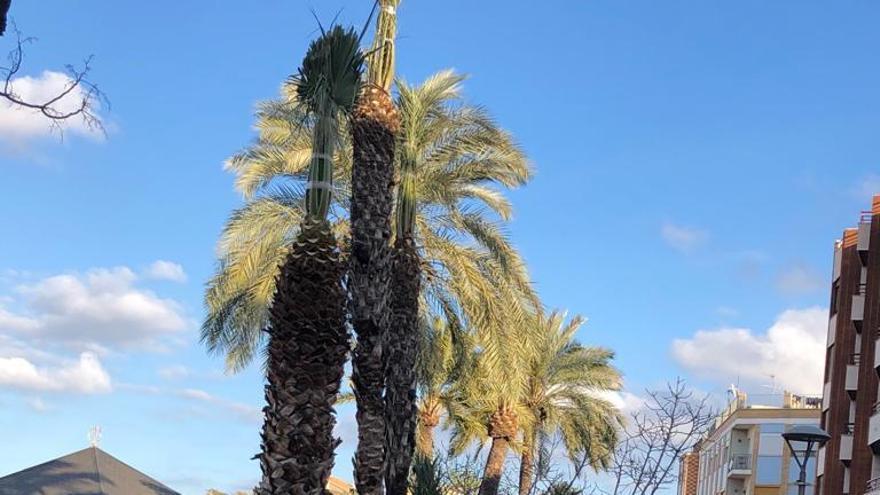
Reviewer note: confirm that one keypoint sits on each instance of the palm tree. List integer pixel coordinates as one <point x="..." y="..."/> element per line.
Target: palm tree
<point x="308" y="340"/>
<point x="491" y="415"/>
<point x="434" y="136"/>
<point x="470" y="271"/>
<point x="438" y="361"/>
<point x="471" y="275"/>
<point x="373" y="128"/>
<point x="564" y="380"/>
<point x="487" y="402"/>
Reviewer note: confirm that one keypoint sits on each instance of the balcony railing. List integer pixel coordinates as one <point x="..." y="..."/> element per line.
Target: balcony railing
<point x="872" y="486"/>
<point x="740" y="462"/>
<point x="855" y="358"/>
<point x="876" y="408"/>
<point x="849" y="428"/>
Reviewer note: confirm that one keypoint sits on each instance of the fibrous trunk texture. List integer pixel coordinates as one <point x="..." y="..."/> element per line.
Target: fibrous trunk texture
<point x="374" y="124"/>
<point x="4" y="12"/>
<point x="502" y="428"/>
<point x="402" y="348"/>
<point x="308" y="342"/>
<point x="527" y="465"/>
<point x="428" y="420"/>
<point x="494" y="466"/>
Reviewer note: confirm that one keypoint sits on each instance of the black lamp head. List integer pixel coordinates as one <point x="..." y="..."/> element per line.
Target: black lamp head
<point x="807" y="433"/>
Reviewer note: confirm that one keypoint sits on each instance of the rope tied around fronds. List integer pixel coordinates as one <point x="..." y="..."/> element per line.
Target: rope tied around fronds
<point x="380" y="69"/>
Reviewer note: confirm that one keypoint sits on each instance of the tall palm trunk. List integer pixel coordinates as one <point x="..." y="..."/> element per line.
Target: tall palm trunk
<point x="403" y="348"/>
<point x="373" y="137"/>
<point x="306" y="355"/>
<point x="494" y="466"/>
<point x="527" y="463"/>
<point x="308" y="338"/>
<point x="502" y="427"/>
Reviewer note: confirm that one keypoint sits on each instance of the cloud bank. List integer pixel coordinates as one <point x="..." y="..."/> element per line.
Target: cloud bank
<point x="791" y="352"/>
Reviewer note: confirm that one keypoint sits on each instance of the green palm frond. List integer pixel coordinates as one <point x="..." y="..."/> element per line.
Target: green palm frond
<point x="382" y="54"/>
<point x="565" y="383"/>
<point x="330" y="75"/>
<point x="460" y="162"/>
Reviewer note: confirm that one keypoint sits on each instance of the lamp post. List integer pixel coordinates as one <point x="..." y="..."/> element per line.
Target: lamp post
<point x="810" y="435"/>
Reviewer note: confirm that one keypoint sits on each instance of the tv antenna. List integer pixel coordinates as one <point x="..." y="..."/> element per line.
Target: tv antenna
<point x="95" y="436"/>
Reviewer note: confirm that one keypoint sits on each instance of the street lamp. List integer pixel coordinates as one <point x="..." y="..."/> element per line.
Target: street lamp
<point x="809" y="434"/>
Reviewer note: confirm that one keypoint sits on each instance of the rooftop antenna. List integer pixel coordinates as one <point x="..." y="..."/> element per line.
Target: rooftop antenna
<point x="95" y="436"/>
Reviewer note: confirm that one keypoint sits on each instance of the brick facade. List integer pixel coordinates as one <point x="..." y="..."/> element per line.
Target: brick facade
<point x="852" y="341"/>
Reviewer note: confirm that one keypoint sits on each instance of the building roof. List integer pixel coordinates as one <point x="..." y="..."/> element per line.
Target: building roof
<point x="337" y="486"/>
<point x="90" y="471"/>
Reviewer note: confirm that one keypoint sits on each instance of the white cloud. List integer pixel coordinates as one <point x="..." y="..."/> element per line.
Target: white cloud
<point x="346" y="425"/>
<point x="240" y="411"/>
<point x="91" y="314"/>
<point x="85" y="376"/>
<point x="100" y="309"/>
<point x="791" y="352"/>
<point x="799" y="279"/>
<point x="867" y="187"/>
<point x="683" y="239"/>
<point x="174" y="372"/>
<point x="625" y="402"/>
<point x="38" y="405"/>
<point x="166" y="270"/>
<point x="19" y="125"/>
<point x="17" y="323"/>
<point x="727" y="312"/>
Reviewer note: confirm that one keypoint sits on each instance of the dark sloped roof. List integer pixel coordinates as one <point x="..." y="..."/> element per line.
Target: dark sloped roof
<point x="88" y="472"/>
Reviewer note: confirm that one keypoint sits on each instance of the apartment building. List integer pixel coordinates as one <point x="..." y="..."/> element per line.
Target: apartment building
<point x="849" y="463"/>
<point x="744" y="453"/>
<point x="689" y="472"/>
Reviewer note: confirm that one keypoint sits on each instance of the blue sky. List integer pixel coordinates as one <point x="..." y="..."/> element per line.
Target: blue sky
<point x="695" y="162"/>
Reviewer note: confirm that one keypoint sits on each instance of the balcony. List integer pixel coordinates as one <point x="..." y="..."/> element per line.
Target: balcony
<point x="736" y="486"/>
<point x="864" y="239"/>
<point x="874" y="429"/>
<point x="858" y="309"/>
<point x="873" y="487"/>
<point x="852" y="379"/>
<point x="846" y="444"/>
<point x="739" y="466"/>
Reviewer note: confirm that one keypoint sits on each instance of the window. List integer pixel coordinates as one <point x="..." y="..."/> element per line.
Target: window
<point x="777" y="428"/>
<point x="769" y="470"/>
<point x="794" y="471"/>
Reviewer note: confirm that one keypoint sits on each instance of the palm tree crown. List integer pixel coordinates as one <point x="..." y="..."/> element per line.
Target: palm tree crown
<point x="472" y="274"/>
<point x="563" y="395"/>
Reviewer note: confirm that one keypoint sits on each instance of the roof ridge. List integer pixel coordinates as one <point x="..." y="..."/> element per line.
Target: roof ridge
<point x="98" y="471"/>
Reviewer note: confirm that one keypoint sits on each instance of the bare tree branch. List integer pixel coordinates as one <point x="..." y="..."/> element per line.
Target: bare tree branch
<point x="89" y="96"/>
<point x="670" y="424"/>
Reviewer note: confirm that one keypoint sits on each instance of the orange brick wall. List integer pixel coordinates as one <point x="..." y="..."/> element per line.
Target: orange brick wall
<point x="689" y="474"/>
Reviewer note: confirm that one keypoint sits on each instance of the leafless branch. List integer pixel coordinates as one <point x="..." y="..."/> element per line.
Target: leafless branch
<point x="90" y="97"/>
<point x="670" y="424"/>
